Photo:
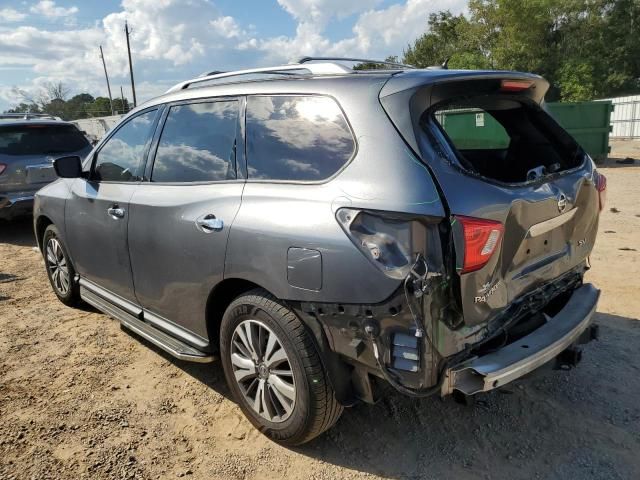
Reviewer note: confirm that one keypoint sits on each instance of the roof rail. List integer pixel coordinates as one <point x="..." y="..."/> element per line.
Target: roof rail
<point x="348" y="59"/>
<point x="28" y="116"/>
<point x="313" y="69"/>
<point x="213" y="72"/>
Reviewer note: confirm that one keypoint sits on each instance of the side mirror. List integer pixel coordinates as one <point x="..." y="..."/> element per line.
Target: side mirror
<point x="68" y="167"/>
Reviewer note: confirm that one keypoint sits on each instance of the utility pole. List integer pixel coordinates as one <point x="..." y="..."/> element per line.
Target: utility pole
<point x="124" y="109"/>
<point x="133" y="86"/>
<point x="107" y="77"/>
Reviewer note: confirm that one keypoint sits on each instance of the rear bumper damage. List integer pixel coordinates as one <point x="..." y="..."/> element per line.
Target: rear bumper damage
<point x="544" y="325"/>
<point x="570" y="326"/>
<point x="14" y="204"/>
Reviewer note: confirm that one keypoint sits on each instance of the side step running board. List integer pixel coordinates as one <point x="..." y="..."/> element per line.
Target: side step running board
<point x="160" y="339"/>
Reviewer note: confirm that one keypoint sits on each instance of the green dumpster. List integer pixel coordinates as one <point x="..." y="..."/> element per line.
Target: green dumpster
<point x="588" y="122"/>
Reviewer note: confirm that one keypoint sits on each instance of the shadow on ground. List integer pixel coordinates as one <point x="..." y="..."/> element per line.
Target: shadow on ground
<point x="544" y="423"/>
<point x="210" y="374"/>
<point x="18" y="232"/>
<point x="577" y="424"/>
<point x="614" y="162"/>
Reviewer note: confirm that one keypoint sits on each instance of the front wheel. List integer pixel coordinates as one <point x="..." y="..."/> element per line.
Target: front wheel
<point x="274" y="370"/>
<point x="59" y="269"/>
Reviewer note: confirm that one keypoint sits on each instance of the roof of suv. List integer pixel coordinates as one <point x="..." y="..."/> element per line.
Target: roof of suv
<point x="4" y="122"/>
<point x="308" y="77"/>
<point x="30" y="119"/>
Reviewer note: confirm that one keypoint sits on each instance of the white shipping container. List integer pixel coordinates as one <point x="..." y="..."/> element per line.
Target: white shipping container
<point x="97" y="127"/>
<point x="625" y="118"/>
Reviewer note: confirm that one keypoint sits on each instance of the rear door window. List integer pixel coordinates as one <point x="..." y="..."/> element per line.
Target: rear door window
<point x="120" y="159"/>
<point x="296" y="138"/>
<point x="198" y="143"/>
<point x="41" y="139"/>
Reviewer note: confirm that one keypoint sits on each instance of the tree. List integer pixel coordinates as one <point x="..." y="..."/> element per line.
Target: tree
<point x="24" y="108"/>
<point x="586" y="48"/>
<point x="77" y="106"/>
<point x="100" y="107"/>
<point x="56" y="91"/>
<point x="53" y="100"/>
<point x="120" y="106"/>
<point x="376" y="65"/>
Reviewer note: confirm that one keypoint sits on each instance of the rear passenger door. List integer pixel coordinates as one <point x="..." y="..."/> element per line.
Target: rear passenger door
<point x="180" y="219"/>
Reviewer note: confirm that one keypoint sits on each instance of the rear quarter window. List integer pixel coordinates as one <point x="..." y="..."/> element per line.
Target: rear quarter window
<point x="296" y="138"/>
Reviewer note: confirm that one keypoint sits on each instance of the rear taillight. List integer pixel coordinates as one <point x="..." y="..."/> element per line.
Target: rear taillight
<point x="481" y="239"/>
<point x="3" y="167"/>
<point x="601" y="186"/>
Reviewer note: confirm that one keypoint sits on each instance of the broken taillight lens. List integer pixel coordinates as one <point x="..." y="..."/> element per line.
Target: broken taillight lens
<point x="3" y="167"/>
<point x="481" y="239"/>
<point x="601" y="186"/>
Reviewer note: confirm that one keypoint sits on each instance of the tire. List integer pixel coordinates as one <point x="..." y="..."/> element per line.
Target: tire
<point x="59" y="268"/>
<point x="285" y="416"/>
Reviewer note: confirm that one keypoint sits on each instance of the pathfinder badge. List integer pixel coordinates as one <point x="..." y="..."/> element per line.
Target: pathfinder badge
<point x="485" y="292"/>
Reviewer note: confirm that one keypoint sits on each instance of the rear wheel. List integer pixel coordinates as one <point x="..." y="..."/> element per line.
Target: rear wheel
<point x="272" y="367"/>
<point x="59" y="269"/>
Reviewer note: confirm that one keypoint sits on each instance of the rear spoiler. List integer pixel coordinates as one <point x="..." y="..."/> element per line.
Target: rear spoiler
<point x="421" y="89"/>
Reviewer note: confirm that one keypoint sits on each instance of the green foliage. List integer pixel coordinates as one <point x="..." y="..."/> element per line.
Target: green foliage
<point x="24" y="108"/>
<point x="375" y="65"/>
<point x="586" y="48"/>
<point x="54" y="102"/>
<point x="576" y="80"/>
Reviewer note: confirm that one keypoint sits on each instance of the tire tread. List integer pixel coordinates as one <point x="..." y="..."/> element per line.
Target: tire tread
<point x="325" y="410"/>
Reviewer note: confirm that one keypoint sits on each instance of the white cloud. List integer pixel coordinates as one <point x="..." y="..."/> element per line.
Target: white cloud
<point x="51" y="52"/>
<point x="48" y="8"/>
<point x="172" y="40"/>
<point x="227" y="27"/>
<point x="389" y="31"/>
<point x="376" y="33"/>
<point x="179" y="32"/>
<point x="319" y="12"/>
<point x="11" y="15"/>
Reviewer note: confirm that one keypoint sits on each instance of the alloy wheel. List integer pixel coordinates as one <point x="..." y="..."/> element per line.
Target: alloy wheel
<point x="263" y="371"/>
<point x="58" y="267"/>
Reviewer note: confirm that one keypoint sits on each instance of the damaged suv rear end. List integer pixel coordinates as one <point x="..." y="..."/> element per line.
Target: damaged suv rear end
<point x="327" y="232"/>
<point x="492" y="271"/>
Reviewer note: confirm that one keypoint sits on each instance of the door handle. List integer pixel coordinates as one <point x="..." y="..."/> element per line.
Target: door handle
<point x="209" y="223"/>
<point x="116" y="212"/>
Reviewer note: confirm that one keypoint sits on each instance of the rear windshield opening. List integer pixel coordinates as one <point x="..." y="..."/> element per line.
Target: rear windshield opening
<point x="41" y="139"/>
<point x="506" y="140"/>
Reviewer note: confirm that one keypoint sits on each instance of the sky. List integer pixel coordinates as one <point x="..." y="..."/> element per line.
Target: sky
<point x="48" y="41"/>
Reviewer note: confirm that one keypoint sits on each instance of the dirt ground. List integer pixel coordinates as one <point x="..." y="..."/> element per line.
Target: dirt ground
<point x="81" y="398"/>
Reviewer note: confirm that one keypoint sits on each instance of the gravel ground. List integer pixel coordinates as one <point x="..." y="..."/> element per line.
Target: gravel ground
<point x="81" y="398"/>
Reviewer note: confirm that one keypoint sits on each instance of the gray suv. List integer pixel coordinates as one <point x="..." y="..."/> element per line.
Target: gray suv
<point x="330" y="233"/>
<point x="28" y="145"/>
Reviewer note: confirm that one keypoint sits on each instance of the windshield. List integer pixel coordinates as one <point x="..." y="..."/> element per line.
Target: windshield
<point x="40" y="139"/>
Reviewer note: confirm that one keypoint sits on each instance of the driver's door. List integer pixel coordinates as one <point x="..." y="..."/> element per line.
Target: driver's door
<point x="97" y="211"/>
